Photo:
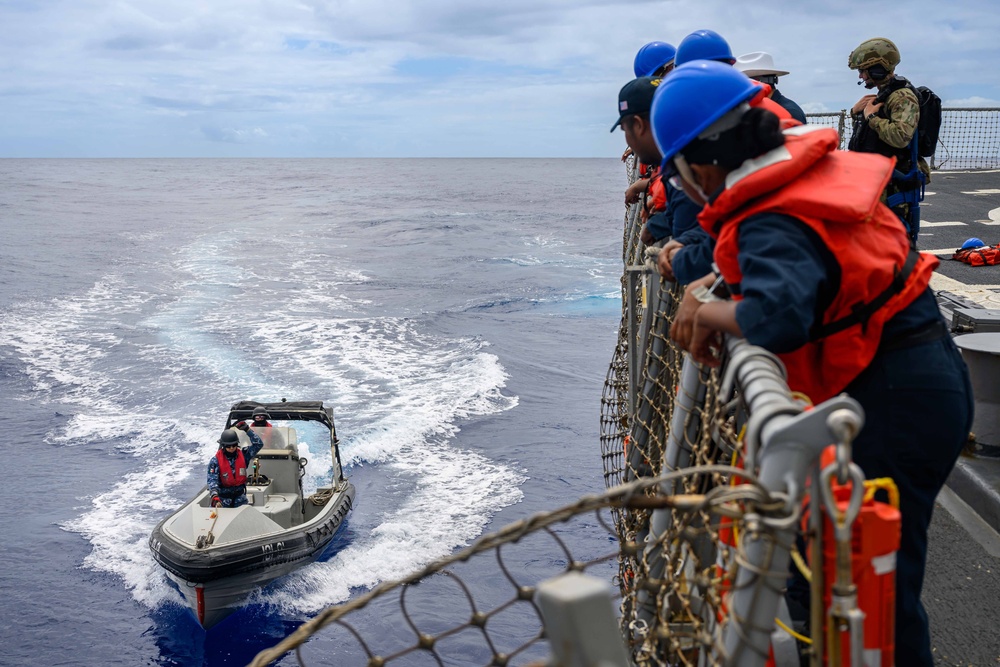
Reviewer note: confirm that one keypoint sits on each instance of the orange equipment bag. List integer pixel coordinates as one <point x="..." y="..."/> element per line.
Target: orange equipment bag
<point x="987" y="255"/>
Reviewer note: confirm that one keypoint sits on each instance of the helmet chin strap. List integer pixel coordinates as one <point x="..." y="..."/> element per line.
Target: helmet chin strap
<point x="687" y="176"/>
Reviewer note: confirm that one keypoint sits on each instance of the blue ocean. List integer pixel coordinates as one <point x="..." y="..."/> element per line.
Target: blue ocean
<point x="458" y="314"/>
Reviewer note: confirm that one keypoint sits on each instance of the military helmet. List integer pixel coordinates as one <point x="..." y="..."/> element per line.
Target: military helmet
<point x="260" y="411"/>
<point x="229" y="438"/>
<point x="875" y="51"/>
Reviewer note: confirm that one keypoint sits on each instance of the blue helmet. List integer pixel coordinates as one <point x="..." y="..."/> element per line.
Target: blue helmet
<point x="973" y="243"/>
<point x="703" y="45"/>
<point x="652" y="57"/>
<point x="694" y="96"/>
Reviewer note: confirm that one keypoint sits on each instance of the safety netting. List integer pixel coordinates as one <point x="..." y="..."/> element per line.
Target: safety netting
<point x="969" y="137"/>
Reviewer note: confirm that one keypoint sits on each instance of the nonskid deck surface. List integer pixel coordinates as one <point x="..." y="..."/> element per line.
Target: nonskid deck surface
<point x="959" y="206"/>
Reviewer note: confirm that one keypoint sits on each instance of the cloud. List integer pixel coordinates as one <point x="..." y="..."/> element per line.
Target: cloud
<point x="233" y="135"/>
<point x="972" y="103"/>
<point x="436" y="77"/>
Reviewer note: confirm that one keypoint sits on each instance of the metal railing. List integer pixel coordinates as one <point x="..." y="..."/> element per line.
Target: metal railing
<point x="696" y="593"/>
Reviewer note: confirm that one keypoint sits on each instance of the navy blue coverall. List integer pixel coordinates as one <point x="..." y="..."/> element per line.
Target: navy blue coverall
<point x="680" y="222"/>
<point x="915" y="393"/>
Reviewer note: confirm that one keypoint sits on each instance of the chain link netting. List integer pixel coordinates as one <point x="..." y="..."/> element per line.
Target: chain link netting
<point x="478" y="605"/>
<point x="655" y="422"/>
<point x="968" y="139"/>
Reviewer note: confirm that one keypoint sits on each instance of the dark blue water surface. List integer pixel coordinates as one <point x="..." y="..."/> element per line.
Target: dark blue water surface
<point x="459" y="315"/>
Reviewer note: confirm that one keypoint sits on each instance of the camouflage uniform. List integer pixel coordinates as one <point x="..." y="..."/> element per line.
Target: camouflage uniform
<point x="232" y="496"/>
<point x="889" y="130"/>
<point x="894" y="126"/>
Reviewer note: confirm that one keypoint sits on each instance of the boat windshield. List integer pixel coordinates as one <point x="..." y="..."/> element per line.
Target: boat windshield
<point x="274" y="437"/>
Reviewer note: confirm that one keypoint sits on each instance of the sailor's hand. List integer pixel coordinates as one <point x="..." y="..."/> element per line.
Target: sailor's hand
<point x="682" y="329"/>
<point x="665" y="262"/>
<point x="216" y="501"/>
<point x="627" y="153"/>
<point x="860" y="105"/>
<point x="635" y="190"/>
<point x="242" y="426"/>
<point x="706" y="344"/>
<point x="646" y="236"/>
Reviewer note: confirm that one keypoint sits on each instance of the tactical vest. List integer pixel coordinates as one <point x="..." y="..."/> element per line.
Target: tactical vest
<point x="865" y="139"/>
<point x="228" y="477"/>
<point x="836" y="194"/>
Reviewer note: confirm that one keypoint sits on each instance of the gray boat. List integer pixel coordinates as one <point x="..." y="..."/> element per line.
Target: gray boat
<point x="217" y="556"/>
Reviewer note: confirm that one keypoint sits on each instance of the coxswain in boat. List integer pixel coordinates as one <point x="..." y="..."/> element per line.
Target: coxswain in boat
<point x="227" y="470"/>
<point x="260" y="417"/>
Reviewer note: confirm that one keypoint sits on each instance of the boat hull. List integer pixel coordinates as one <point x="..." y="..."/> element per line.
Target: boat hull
<point x="216" y="579"/>
<point x="212" y="602"/>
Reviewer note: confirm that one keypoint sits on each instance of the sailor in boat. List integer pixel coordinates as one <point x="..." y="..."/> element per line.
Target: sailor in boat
<point x="260" y="417"/>
<point x="227" y="470"/>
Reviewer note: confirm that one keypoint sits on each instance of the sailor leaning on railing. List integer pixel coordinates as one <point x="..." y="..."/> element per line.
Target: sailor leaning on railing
<point x="822" y="274"/>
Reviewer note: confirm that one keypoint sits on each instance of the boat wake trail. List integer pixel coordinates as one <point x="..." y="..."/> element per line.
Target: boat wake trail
<point x="148" y="377"/>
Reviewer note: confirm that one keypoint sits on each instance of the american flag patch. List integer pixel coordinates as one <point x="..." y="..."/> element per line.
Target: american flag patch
<point x="623" y="105"/>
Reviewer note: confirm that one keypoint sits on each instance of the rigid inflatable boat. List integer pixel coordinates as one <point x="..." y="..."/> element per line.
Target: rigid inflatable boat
<point x="217" y="556"/>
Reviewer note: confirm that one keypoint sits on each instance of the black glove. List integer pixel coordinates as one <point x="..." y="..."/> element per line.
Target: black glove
<point x="216" y="501"/>
<point x="242" y="426"/>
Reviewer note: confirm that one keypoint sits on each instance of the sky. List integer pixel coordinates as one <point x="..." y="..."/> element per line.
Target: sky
<point x="435" y="78"/>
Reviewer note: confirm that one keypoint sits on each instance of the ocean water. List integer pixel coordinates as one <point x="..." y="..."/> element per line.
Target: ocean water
<point x="458" y="314"/>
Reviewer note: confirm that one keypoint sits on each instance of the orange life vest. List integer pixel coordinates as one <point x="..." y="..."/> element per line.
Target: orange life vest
<point x="227" y="476"/>
<point x="835" y="193"/>
<point x="656" y="192"/>
<point x="763" y="100"/>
